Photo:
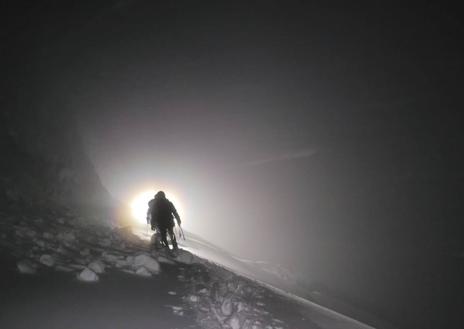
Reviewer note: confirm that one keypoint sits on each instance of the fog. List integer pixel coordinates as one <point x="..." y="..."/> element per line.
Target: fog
<point x="235" y="179"/>
<point x="322" y="139"/>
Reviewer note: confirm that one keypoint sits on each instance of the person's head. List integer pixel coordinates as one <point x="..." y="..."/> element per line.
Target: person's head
<point x="160" y="195"/>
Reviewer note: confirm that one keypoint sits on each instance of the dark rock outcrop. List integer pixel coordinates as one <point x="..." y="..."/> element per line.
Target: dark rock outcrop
<point x="43" y="162"/>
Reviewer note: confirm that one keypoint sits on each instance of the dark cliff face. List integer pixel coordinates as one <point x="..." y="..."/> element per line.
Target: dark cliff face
<point x="43" y="163"/>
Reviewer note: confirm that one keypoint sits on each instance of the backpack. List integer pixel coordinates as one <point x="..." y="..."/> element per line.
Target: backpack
<point x="161" y="213"/>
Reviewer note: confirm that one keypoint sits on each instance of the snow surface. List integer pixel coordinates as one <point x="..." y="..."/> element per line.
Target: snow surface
<point x="272" y="276"/>
<point x="210" y="294"/>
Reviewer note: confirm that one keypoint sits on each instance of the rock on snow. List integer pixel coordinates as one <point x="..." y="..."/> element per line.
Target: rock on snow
<point x="226" y="307"/>
<point x="142" y="271"/>
<point x="234" y="322"/>
<point x="87" y="275"/>
<point x="97" y="266"/>
<point x="193" y="298"/>
<point x="25" y="267"/>
<point x="147" y="262"/>
<point x="165" y="260"/>
<point x="47" y="260"/>
<point x="130" y="260"/>
<point x="184" y="257"/>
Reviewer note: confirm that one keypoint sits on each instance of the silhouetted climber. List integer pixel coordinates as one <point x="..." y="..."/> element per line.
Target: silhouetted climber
<point x="161" y="213"/>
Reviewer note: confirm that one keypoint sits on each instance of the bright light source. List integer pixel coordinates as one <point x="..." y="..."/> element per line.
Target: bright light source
<point x="139" y="205"/>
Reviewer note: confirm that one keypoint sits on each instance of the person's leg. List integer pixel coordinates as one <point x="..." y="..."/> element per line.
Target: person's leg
<point x="156" y="240"/>
<point x="163" y="231"/>
<point x="173" y="238"/>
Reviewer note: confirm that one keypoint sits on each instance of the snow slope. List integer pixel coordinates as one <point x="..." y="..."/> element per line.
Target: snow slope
<point x="273" y="276"/>
<point x="65" y="271"/>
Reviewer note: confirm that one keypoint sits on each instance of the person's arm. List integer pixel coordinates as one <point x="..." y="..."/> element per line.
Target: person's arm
<point x="176" y="214"/>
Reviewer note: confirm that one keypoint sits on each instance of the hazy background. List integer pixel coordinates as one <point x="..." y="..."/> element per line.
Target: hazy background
<point x="324" y="138"/>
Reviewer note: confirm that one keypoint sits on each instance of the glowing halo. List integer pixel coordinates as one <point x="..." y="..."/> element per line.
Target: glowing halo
<point x="139" y="204"/>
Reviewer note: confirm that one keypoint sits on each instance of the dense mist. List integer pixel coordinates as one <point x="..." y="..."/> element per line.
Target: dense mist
<point x="327" y="140"/>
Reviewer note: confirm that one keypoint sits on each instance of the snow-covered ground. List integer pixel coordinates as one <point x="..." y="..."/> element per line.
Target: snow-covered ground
<point x="64" y="271"/>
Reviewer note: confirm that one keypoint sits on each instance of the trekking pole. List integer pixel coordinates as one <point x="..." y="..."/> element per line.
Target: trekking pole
<point x="182" y="232"/>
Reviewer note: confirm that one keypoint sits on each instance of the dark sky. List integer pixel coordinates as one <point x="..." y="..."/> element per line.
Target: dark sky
<point x="301" y="132"/>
